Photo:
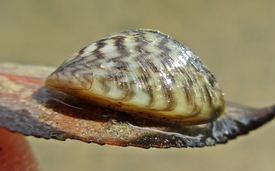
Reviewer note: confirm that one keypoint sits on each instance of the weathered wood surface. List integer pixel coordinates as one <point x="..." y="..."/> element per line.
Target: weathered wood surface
<point x="28" y="107"/>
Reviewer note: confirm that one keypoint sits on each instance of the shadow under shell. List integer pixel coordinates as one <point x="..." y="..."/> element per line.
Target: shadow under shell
<point x="130" y="129"/>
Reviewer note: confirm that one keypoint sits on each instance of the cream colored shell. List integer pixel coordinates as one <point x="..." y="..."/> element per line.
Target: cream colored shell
<point x="143" y="72"/>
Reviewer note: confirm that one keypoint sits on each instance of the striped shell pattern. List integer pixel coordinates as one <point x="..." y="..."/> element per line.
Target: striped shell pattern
<point x="142" y="72"/>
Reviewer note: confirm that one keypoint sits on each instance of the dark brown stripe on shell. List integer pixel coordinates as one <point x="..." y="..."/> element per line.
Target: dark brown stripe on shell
<point x="168" y="95"/>
<point x="97" y="52"/>
<point x="207" y="96"/>
<point x="104" y="85"/>
<point x="153" y="67"/>
<point x="162" y="45"/>
<point x="127" y="89"/>
<point x="74" y="73"/>
<point x="82" y="51"/>
<point x="144" y="80"/>
<point x="186" y="84"/>
<point x="88" y="77"/>
<point x="121" y="48"/>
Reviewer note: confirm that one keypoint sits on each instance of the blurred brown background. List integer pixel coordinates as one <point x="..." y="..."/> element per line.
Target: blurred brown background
<point x="235" y="39"/>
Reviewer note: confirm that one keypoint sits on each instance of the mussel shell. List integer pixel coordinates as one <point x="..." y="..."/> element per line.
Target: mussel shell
<point x="142" y="72"/>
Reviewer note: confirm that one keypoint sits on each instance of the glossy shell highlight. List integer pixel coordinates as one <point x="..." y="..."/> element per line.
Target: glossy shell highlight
<point x="142" y="72"/>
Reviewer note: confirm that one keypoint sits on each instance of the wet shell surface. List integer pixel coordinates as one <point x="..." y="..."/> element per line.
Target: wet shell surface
<point x="142" y="72"/>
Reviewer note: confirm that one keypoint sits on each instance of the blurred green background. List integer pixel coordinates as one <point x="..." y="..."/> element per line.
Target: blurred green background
<point x="235" y="39"/>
